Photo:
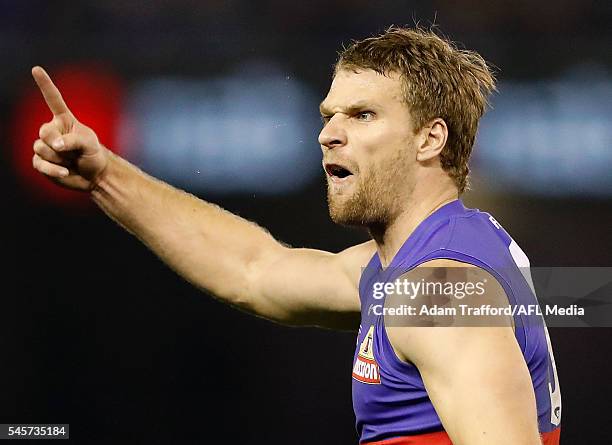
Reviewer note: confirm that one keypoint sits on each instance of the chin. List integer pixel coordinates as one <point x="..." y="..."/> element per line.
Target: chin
<point x="356" y="207"/>
<point x="338" y="210"/>
<point x="357" y="213"/>
<point x="344" y="219"/>
<point x="343" y="213"/>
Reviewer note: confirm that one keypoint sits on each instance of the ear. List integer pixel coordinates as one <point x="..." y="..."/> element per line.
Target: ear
<point x="434" y="136"/>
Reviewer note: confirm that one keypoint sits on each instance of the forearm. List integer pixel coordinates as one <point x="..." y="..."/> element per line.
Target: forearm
<point x="231" y="258"/>
<point x="210" y="247"/>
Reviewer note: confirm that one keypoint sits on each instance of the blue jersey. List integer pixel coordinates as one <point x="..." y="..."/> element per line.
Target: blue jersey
<point x="389" y="397"/>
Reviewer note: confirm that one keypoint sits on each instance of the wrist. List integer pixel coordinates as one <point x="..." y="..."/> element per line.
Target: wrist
<point x="99" y="179"/>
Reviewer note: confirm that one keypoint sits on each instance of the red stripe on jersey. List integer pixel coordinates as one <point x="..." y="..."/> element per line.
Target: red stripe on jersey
<point x="441" y="438"/>
<point x="551" y="438"/>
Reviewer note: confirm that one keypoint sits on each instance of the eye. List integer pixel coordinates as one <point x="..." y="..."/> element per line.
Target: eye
<point x="325" y="119"/>
<point x="365" y="115"/>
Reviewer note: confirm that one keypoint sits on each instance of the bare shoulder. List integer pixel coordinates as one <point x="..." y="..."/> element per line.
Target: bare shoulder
<point x="464" y="282"/>
<point x="451" y="303"/>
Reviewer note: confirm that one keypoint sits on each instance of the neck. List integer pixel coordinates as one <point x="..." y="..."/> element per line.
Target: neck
<point x="389" y="238"/>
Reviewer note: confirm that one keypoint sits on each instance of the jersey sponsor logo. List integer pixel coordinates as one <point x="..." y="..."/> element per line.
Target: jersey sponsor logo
<point x="365" y="368"/>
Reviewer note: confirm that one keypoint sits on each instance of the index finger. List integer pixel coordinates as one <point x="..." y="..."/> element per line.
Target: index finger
<point x="49" y="91"/>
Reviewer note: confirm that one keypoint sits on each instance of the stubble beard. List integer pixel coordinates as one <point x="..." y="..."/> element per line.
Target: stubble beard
<point x="377" y="198"/>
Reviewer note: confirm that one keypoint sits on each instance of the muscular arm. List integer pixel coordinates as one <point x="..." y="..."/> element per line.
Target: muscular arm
<point x="475" y="376"/>
<point x="234" y="259"/>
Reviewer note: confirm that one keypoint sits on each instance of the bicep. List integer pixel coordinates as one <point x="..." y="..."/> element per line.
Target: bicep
<point x="312" y="287"/>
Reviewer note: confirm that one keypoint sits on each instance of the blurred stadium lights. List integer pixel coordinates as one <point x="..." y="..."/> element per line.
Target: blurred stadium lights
<point x="254" y="131"/>
<point x="549" y="137"/>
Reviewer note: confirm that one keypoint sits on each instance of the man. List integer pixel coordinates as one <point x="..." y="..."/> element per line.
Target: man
<point x="400" y="120"/>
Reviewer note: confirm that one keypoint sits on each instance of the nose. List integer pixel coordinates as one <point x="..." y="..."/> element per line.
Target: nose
<point x="333" y="135"/>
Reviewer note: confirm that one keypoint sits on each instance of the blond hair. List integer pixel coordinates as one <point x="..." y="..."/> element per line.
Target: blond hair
<point x="439" y="81"/>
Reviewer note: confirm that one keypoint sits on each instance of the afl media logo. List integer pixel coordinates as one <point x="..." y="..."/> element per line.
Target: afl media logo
<point x="366" y="369"/>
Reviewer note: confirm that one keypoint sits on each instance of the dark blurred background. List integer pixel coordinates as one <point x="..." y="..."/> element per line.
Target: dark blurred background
<point x="220" y="98"/>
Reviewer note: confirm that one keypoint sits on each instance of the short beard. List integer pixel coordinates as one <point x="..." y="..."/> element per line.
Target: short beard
<point x="377" y="199"/>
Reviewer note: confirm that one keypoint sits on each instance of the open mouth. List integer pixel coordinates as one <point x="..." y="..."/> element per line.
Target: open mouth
<point x="336" y="171"/>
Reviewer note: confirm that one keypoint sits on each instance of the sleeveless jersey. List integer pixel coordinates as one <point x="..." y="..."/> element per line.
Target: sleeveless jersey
<point x="389" y="397"/>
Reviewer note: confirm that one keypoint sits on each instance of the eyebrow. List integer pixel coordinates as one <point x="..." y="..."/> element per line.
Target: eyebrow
<point x="359" y="105"/>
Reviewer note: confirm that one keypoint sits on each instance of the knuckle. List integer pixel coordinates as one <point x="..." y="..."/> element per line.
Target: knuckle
<point x="38" y="146"/>
<point x="47" y="130"/>
<point x="41" y="165"/>
<point x="44" y="130"/>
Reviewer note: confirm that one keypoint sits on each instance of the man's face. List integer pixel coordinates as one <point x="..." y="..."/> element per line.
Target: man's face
<point x="369" y="148"/>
